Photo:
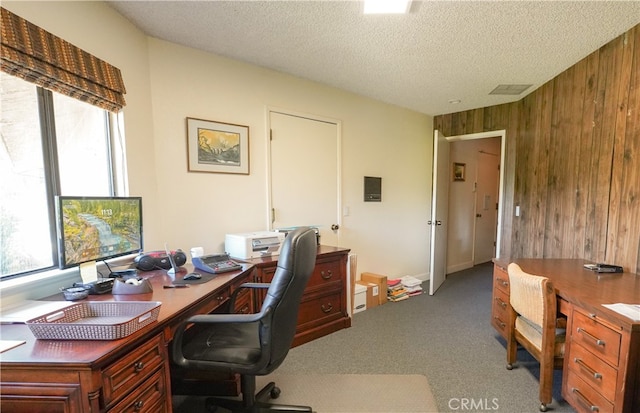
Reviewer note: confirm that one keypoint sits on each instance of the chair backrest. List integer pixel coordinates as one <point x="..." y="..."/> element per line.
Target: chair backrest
<point x="528" y="294"/>
<point x="295" y="265"/>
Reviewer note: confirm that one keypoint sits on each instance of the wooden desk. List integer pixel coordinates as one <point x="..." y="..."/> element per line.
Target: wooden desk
<point x="133" y="374"/>
<point x="601" y="370"/>
<point x="126" y="375"/>
<point x="323" y="309"/>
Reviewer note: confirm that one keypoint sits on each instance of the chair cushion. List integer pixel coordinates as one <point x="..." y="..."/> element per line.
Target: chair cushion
<point x="229" y="343"/>
<point x="533" y="333"/>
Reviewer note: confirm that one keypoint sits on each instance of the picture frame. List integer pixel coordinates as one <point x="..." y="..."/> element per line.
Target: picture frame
<point x="459" y="172"/>
<point x="217" y="147"/>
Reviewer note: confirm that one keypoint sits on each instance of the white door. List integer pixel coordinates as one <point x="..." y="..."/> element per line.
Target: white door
<point x="305" y="184"/>
<point x="487" y="180"/>
<point x="439" y="211"/>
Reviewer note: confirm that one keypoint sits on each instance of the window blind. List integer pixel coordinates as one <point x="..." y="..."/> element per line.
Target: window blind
<point x="40" y="57"/>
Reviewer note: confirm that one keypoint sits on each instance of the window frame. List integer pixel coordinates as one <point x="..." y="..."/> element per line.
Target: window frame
<point x="51" y="167"/>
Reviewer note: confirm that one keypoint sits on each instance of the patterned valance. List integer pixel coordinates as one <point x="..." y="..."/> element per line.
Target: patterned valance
<point x="40" y="57"/>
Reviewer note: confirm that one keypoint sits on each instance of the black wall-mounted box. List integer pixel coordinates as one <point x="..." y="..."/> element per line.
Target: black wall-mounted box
<point x="372" y="189"/>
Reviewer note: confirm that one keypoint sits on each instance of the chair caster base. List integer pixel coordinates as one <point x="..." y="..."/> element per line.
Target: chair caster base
<point x="275" y="392"/>
<point x="543" y="407"/>
<point x="509" y="366"/>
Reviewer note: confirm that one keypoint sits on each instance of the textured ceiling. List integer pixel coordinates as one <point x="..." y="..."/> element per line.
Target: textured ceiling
<point x="439" y="52"/>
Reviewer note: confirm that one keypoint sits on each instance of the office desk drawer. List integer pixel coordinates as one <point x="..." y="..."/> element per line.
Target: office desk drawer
<point x="325" y="272"/>
<point x="593" y="371"/>
<point x="150" y="397"/>
<point x="500" y="312"/>
<point x="584" y="397"/>
<point x="596" y="337"/>
<point x="501" y="279"/>
<point x="130" y="371"/>
<point x="319" y="309"/>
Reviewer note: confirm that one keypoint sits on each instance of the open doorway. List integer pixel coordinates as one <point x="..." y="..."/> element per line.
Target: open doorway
<point x="473" y="201"/>
<point x="447" y="170"/>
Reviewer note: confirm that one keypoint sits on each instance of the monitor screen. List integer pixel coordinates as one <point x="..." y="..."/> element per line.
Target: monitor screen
<point x="97" y="228"/>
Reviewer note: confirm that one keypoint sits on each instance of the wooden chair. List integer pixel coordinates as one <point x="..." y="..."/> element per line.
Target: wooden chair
<point x="534" y="325"/>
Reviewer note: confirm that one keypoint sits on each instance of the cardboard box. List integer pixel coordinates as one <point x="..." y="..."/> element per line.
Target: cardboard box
<point x="359" y="298"/>
<point x="380" y="281"/>
<point x="372" y="293"/>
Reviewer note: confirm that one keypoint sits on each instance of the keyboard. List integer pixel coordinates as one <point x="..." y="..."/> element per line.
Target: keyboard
<point x="215" y="263"/>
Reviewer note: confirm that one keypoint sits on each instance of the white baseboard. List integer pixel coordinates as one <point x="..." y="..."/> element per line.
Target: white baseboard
<point x="459" y="267"/>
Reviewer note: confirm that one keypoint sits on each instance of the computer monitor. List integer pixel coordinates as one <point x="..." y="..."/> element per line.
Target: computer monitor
<point x="97" y="228"/>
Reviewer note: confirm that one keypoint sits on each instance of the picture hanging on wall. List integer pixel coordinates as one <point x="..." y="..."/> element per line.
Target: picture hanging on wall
<point x="217" y="147"/>
<point x="459" y="171"/>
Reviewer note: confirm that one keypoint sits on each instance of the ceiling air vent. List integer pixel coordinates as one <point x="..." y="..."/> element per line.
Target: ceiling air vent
<point x="509" y="89"/>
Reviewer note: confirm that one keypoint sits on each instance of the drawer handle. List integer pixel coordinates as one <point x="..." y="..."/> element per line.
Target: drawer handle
<point x="137" y="406"/>
<point x="138" y="366"/>
<point x="591" y="336"/>
<point x="328" y="275"/>
<point x="502" y="324"/>
<point x="503" y="282"/>
<point x="326" y="308"/>
<point x="591" y="371"/>
<point x="582" y="399"/>
<point x="502" y="303"/>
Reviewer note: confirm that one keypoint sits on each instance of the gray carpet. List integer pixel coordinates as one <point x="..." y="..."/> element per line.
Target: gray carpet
<point x="342" y="393"/>
<point x="446" y="337"/>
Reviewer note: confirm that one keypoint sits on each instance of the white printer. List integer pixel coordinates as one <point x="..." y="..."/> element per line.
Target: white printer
<point x="253" y="244"/>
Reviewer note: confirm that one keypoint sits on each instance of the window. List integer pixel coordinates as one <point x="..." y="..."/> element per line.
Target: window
<point x="50" y="145"/>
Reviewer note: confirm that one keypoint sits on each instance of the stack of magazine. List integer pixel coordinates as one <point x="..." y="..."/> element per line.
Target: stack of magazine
<point x="603" y="268"/>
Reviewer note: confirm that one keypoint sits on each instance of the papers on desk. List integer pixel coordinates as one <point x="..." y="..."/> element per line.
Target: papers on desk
<point x="30" y="309"/>
<point x="9" y="344"/>
<point x="631" y="311"/>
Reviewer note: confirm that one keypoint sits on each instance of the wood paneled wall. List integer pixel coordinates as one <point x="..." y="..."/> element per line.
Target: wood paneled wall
<point x="572" y="159"/>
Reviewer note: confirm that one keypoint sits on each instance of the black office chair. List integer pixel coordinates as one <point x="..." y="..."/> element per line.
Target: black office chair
<point x="252" y="344"/>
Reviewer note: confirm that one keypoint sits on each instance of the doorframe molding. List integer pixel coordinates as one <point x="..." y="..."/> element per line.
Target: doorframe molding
<point x="313" y="117"/>
<point x="502" y="133"/>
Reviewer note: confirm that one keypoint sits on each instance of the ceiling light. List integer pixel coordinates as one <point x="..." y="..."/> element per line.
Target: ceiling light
<point x="509" y="89"/>
<point x="386" y="6"/>
<point x="455" y="101"/>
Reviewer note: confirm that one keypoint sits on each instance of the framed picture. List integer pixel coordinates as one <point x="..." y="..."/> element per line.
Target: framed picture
<point x="217" y="147"/>
<point x="459" y="171"/>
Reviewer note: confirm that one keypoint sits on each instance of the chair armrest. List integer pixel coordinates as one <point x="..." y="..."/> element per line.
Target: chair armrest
<point x="232" y="299"/>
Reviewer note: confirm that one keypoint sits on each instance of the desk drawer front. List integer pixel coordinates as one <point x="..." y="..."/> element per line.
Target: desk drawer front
<point x="325" y="272"/>
<point x="584" y="397"/>
<point x="131" y="370"/>
<point x="501" y="306"/>
<point x="319" y="310"/>
<point x="596" y="337"/>
<point x="150" y="397"/>
<point x="593" y="371"/>
<point x="500" y="279"/>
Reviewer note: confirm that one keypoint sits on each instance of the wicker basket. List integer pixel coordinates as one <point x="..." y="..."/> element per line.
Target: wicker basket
<point x="95" y="320"/>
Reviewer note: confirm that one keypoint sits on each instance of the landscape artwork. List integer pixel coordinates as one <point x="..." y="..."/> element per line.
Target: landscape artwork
<point x="217" y="147"/>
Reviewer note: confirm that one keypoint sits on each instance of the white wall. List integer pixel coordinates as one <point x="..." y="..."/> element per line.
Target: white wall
<point x="166" y="83"/>
<point x="378" y="139"/>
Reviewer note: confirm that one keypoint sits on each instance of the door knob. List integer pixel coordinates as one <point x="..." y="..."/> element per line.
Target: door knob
<point x="335" y="227"/>
<point x="478" y="215"/>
